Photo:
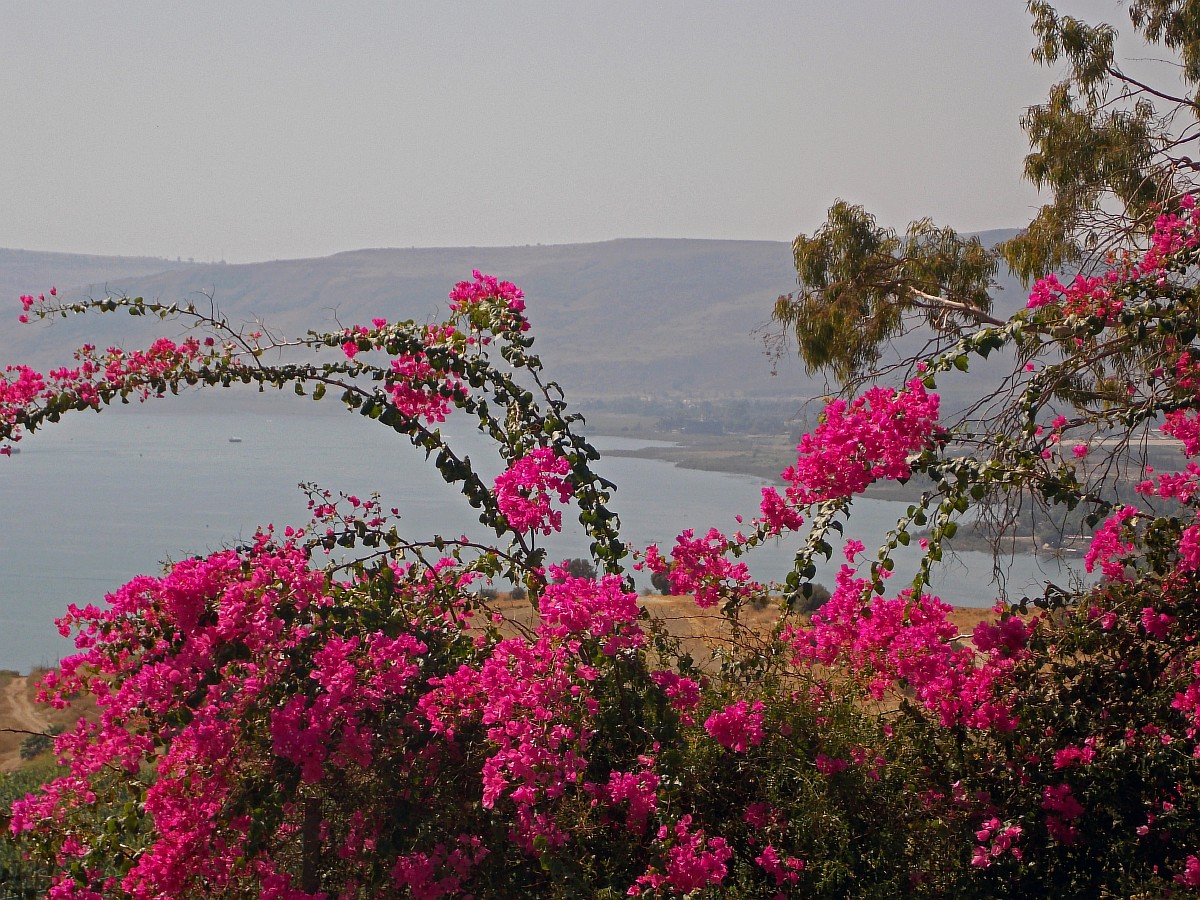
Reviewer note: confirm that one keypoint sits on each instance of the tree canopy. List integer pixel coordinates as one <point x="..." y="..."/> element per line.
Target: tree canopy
<point x="1109" y="146"/>
<point x="861" y="281"/>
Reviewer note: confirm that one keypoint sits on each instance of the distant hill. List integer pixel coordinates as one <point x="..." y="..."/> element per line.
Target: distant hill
<point x="33" y="271"/>
<point x="658" y="317"/>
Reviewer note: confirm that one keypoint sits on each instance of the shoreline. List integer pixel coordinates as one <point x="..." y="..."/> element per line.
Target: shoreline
<point x="762" y="457"/>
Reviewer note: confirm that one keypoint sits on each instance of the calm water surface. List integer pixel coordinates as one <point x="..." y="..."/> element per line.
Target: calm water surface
<point x="97" y="499"/>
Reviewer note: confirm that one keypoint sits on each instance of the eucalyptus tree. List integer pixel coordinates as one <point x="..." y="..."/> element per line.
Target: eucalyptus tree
<point x="1108" y="147"/>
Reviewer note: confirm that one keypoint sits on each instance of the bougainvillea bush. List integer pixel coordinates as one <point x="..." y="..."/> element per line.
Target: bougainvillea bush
<point x="277" y="722"/>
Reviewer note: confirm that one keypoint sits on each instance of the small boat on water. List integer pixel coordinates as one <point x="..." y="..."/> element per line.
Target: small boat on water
<point x="235" y="440"/>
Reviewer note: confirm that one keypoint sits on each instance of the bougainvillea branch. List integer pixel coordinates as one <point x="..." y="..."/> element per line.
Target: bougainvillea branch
<point x="275" y="723"/>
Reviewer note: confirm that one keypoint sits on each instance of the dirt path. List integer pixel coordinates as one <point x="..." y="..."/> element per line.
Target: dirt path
<point x="18" y="712"/>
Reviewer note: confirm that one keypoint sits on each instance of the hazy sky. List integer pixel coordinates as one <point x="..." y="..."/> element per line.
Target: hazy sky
<point x="250" y="131"/>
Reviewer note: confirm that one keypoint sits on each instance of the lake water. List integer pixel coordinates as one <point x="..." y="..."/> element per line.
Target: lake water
<point x="97" y="499"/>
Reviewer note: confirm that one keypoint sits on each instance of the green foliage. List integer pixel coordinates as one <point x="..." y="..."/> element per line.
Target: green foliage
<point x="1106" y="146"/>
<point x="812" y="597"/>
<point x="580" y="568"/>
<point x="859" y="281"/>
<point x="20" y="877"/>
<point x="1175" y="24"/>
<point x="37" y="744"/>
<point x="1101" y="143"/>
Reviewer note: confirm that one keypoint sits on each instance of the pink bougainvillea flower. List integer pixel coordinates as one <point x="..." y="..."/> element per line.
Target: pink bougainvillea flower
<point x="524" y="491"/>
<point x="486" y="287"/>
<point x="737" y="727"/>
<point x="861" y="442"/>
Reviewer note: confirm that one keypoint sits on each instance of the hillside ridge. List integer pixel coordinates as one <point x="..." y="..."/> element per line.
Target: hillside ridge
<point x="668" y="317"/>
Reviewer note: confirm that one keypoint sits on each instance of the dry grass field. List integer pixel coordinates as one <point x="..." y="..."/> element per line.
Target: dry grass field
<point x="702" y="632"/>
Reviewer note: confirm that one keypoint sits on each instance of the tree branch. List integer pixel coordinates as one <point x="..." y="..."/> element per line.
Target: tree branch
<point x="954" y="305"/>
<point x="1121" y="76"/>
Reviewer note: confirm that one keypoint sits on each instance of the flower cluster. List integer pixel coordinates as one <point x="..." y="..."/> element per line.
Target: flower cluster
<point x="701" y="567"/>
<point x="144" y="373"/>
<point x="908" y="641"/>
<point x="737" y="727"/>
<point x="246" y="659"/>
<point x="20" y="388"/>
<point x="442" y="871"/>
<point x="1184" y="426"/>
<point x="535" y="706"/>
<point x="1084" y="296"/>
<point x="525" y="489"/>
<point x="200" y="610"/>
<point x="1181" y="486"/>
<point x="995" y="839"/>
<point x="413" y="384"/>
<point x="535" y="703"/>
<point x="1173" y="234"/>
<point x="1188" y="702"/>
<point x="692" y="862"/>
<point x="681" y="691"/>
<point x="419" y="390"/>
<point x="486" y="288"/>
<point x="583" y="606"/>
<point x="1061" y="809"/>
<point x="1107" y="546"/>
<point x="639" y="790"/>
<point x="28" y="301"/>
<point x="859" y="443"/>
<point x="777" y="515"/>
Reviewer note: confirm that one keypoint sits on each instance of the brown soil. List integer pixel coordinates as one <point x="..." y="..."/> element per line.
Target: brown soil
<point x="18" y="717"/>
<point x="21" y="715"/>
